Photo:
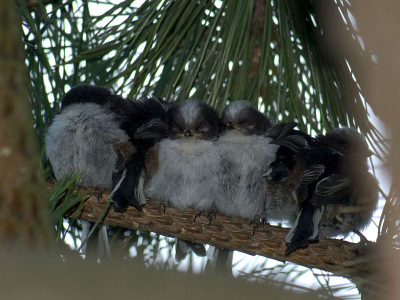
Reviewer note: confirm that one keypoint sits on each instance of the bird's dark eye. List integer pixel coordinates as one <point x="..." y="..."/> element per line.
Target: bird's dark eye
<point x="203" y="128"/>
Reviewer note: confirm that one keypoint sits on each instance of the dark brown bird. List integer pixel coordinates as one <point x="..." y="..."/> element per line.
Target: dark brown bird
<point x="337" y="194"/>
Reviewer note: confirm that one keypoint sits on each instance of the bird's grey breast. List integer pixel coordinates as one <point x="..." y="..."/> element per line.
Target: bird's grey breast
<point x="186" y="176"/>
<point x="243" y="161"/>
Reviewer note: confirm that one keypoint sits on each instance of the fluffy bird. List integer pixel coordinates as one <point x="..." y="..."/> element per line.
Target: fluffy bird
<point x="336" y="194"/>
<point x="245" y="153"/>
<point x="85" y="136"/>
<point x="93" y="135"/>
<point x="188" y="158"/>
<point x="188" y="161"/>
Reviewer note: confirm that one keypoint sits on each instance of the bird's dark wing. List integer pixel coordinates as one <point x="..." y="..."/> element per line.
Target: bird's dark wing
<point x="293" y="142"/>
<point x="144" y="123"/>
<point x="331" y="190"/>
<point x="277" y="171"/>
<point x="154" y="129"/>
<point x="123" y="151"/>
<point x="147" y="114"/>
<point x="309" y="176"/>
<point x="280" y="130"/>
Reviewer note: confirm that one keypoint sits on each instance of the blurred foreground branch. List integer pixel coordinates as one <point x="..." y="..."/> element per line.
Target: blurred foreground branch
<point x="24" y="217"/>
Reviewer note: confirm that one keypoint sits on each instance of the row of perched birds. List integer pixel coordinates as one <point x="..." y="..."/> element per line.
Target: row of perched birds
<point x="239" y="164"/>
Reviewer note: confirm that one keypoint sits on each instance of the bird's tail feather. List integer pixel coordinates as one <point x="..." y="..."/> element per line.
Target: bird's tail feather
<point x="103" y="245"/>
<point x="305" y="228"/>
<point x="182" y="248"/>
<point x="96" y="245"/>
<point x="219" y="261"/>
<point x="141" y="196"/>
<point x="131" y="189"/>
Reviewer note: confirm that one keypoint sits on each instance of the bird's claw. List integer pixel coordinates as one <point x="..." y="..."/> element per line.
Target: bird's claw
<point x="164" y="205"/>
<point x="99" y="194"/>
<point x="212" y="214"/>
<point x="138" y="207"/>
<point x="136" y="203"/>
<point x="363" y="239"/>
<point x="120" y="206"/>
<point x="197" y="214"/>
<point x="256" y="222"/>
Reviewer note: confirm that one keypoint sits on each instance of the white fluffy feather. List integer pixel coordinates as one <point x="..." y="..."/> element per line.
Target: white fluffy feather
<point x="279" y="205"/>
<point x="235" y="108"/>
<point x="81" y="139"/>
<point x="187" y="174"/>
<point x="244" y="159"/>
<point x="190" y="110"/>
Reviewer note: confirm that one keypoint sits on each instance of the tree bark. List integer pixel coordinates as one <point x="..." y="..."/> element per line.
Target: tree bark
<point x="24" y="217"/>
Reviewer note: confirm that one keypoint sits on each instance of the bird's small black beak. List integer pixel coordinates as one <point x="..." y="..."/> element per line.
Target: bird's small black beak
<point x="229" y="126"/>
<point x="188" y="133"/>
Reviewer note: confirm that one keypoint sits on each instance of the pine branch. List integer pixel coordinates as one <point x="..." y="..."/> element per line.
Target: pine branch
<point x="224" y="232"/>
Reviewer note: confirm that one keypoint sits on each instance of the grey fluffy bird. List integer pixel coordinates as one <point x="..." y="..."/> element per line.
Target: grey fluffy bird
<point x="85" y="138"/>
<point x="245" y="154"/>
<point x="188" y="160"/>
<point x="94" y="135"/>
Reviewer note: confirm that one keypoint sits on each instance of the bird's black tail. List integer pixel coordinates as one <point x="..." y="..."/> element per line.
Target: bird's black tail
<point x="305" y="228"/>
<point x="145" y="123"/>
<point x="130" y="190"/>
